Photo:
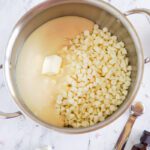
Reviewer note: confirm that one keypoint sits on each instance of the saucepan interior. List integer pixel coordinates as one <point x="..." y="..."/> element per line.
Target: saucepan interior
<point x="99" y="12"/>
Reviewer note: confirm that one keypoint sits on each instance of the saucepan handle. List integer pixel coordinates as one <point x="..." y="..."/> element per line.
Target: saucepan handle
<point x="8" y="115"/>
<point x="137" y="11"/>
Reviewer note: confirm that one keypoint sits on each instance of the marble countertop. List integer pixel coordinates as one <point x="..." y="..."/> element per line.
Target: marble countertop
<point x="23" y="134"/>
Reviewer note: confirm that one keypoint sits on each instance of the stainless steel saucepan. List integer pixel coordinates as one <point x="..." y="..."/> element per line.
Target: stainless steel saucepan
<point x="101" y="13"/>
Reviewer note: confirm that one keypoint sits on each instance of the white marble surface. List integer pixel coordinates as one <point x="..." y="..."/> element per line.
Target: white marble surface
<point x="23" y="134"/>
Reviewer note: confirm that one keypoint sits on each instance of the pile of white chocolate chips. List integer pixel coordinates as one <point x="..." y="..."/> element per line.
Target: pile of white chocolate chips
<point x="99" y="81"/>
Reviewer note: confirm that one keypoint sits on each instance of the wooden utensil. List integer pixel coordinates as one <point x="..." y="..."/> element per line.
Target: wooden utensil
<point x="136" y="110"/>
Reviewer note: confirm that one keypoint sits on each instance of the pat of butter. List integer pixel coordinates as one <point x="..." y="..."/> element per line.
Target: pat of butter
<point x="51" y="65"/>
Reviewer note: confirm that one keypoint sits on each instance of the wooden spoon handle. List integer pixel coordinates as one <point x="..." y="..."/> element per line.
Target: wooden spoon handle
<point x="125" y="133"/>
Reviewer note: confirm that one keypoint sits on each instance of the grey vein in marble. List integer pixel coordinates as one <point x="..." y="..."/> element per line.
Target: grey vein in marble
<point x="2" y="85"/>
<point x="148" y="18"/>
<point x="89" y="144"/>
